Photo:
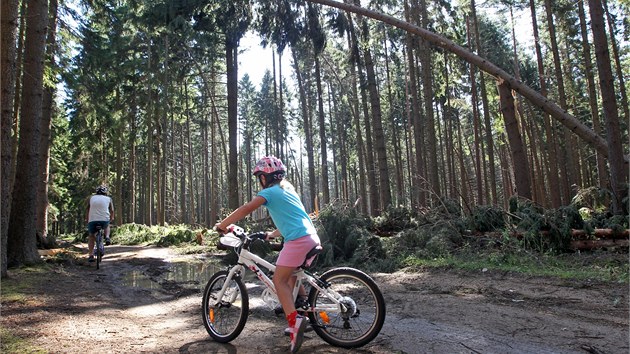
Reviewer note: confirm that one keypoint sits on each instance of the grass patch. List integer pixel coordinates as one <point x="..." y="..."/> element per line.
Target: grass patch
<point x="579" y="266"/>
<point x="19" y="284"/>
<point x="10" y="343"/>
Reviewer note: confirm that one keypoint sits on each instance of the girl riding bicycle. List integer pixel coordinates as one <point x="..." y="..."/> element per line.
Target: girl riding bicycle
<point x="293" y="223"/>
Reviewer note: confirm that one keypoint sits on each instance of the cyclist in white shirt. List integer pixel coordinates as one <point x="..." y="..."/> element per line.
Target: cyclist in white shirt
<point x="100" y="211"/>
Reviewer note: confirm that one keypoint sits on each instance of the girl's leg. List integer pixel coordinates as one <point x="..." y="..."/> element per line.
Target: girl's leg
<point x="282" y="280"/>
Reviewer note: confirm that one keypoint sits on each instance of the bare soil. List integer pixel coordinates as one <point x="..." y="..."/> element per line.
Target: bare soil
<point x="78" y="309"/>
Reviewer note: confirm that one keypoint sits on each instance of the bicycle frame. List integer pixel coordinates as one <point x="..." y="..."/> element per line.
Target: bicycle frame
<point x="253" y="262"/>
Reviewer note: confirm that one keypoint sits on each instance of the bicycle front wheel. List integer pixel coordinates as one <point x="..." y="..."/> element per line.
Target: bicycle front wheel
<point x="360" y="314"/>
<point x="225" y="318"/>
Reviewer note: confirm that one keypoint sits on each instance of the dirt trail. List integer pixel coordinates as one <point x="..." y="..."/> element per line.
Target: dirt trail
<point x="78" y="309"/>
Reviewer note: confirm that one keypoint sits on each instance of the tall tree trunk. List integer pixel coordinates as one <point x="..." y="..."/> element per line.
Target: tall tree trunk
<point x="602" y="174"/>
<point x="354" y="106"/>
<point x="418" y="196"/>
<point x="183" y="167"/>
<point x="551" y="143"/>
<point x="394" y="129"/>
<point x="148" y="180"/>
<point x="8" y="28"/>
<point x="427" y="88"/>
<point x="118" y="189"/>
<point x="18" y="87"/>
<point x="450" y="138"/>
<point x="618" y="65"/>
<point x="48" y="108"/>
<point x="307" y="131"/>
<point x="231" y="60"/>
<point x="618" y="172"/>
<point x="476" y="121"/>
<point x="212" y="195"/>
<point x="325" y="189"/>
<point x="22" y="245"/>
<point x="567" y="174"/>
<point x="491" y="185"/>
<point x="373" y="190"/>
<point x="190" y="206"/>
<point x="377" y="123"/>
<point x="131" y="192"/>
<point x="519" y="157"/>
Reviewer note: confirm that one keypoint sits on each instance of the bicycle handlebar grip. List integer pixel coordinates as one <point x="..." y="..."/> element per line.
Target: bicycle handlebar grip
<point x="259" y="235"/>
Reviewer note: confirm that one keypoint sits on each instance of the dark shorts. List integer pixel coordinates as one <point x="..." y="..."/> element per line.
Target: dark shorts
<point x="92" y="226"/>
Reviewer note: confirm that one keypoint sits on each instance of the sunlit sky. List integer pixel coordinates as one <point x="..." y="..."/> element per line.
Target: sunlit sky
<point x="254" y="59"/>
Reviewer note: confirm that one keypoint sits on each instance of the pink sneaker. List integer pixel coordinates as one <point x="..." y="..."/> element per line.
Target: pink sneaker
<point x="297" y="333"/>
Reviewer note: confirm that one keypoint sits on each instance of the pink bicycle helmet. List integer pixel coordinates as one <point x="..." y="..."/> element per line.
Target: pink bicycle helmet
<point x="268" y="165"/>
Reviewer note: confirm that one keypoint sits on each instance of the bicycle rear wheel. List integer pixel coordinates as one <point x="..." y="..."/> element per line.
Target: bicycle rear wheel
<point x="99" y="248"/>
<point x="362" y="315"/>
<point x="225" y="319"/>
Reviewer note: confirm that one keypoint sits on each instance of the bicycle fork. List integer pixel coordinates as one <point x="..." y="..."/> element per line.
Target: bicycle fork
<point x="231" y="274"/>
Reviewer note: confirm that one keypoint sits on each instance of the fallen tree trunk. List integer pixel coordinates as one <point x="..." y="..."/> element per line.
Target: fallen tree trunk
<point x="596" y="244"/>
<point x="575" y="234"/>
<point x="601" y="233"/>
<point x="600" y="238"/>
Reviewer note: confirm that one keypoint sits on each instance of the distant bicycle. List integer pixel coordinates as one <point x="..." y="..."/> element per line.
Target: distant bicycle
<point x="345" y="306"/>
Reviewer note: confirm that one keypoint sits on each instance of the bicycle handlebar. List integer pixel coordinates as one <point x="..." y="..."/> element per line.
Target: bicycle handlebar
<point x="240" y="233"/>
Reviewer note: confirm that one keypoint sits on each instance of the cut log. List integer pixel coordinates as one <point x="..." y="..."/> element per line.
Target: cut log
<point x="596" y="244"/>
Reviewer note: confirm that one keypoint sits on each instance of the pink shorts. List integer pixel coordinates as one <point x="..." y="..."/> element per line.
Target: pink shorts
<point x="294" y="252"/>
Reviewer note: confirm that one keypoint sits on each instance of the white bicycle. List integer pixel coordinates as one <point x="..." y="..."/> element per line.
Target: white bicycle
<point x="345" y="306"/>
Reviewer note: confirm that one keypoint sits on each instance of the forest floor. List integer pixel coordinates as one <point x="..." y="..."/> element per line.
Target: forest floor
<point x="74" y="308"/>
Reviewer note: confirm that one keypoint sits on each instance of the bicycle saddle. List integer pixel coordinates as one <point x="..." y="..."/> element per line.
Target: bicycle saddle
<point x="310" y="256"/>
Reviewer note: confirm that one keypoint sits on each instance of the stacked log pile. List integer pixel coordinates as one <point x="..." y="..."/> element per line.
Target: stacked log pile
<point x="601" y="238"/>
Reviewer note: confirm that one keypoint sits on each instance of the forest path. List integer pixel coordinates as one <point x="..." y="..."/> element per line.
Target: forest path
<point x="78" y="309"/>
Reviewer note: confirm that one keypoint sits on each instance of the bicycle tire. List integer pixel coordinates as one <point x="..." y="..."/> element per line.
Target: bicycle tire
<point x="365" y="303"/>
<point x="226" y="320"/>
<point x="99" y="248"/>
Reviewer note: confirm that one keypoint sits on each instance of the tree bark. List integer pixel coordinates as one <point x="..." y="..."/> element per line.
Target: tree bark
<point x="551" y="142"/>
<point x="618" y="65"/>
<point x="377" y="124"/>
<point x="354" y="106"/>
<point x="519" y="157"/>
<point x="307" y="131"/>
<point x="602" y="174"/>
<point x="322" y="134"/>
<point x="427" y="87"/>
<point x="231" y="60"/>
<point x="417" y="194"/>
<point x="9" y="25"/>
<point x="618" y="174"/>
<point x="490" y="186"/>
<point x="22" y="245"/>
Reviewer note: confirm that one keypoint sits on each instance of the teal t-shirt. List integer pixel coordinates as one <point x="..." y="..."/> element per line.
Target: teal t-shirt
<point x="287" y="212"/>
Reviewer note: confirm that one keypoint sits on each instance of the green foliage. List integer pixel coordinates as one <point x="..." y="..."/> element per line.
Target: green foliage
<point x="134" y="234"/>
<point x="395" y="219"/>
<point x="163" y="236"/>
<point x="342" y="227"/>
<point x="486" y="218"/>
<point x="176" y="235"/>
<point x="435" y="240"/>
<point x="546" y="230"/>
